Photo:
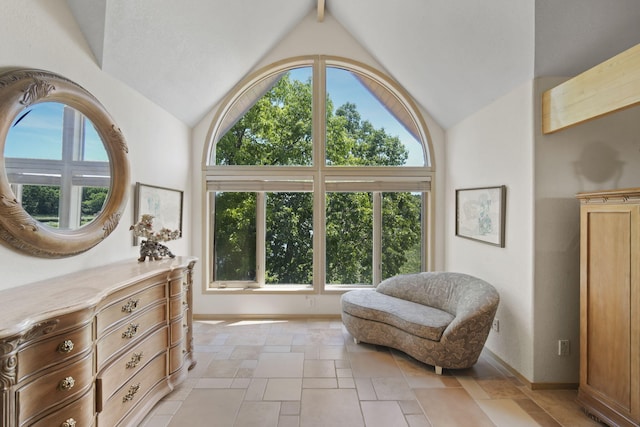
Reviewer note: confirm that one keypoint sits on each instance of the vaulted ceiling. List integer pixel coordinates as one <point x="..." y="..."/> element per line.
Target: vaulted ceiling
<point x="454" y="57"/>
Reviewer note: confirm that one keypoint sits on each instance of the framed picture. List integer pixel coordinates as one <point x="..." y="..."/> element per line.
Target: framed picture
<point x="165" y="204"/>
<point x="480" y="214"/>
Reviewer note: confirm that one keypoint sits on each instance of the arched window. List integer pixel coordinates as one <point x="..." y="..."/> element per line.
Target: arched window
<point x="318" y="174"/>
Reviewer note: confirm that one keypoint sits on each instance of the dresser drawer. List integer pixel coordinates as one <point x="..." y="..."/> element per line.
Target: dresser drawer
<point x="130" y="332"/>
<point x="54" y="350"/>
<point x="176" y="357"/>
<point x="132" y="392"/>
<point x="127" y="306"/>
<point x="178" y="330"/>
<point x="177" y="286"/>
<point x="177" y="307"/>
<point x="81" y="412"/>
<point x="127" y="365"/>
<point x="52" y="388"/>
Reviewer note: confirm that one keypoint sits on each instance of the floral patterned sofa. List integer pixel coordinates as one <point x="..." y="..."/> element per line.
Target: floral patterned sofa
<point x="439" y="318"/>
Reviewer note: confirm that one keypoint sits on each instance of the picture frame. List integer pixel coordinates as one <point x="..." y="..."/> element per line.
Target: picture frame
<point x="165" y="204"/>
<point x="480" y="214"/>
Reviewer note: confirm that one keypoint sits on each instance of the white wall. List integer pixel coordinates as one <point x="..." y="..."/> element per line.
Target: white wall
<point x="308" y="38"/>
<point x="597" y="155"/>
<point x="495" y="147"/>
<point x="43" y="34"/>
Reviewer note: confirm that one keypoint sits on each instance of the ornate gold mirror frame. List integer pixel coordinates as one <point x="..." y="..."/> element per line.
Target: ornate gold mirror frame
<point x="20" y="89"/>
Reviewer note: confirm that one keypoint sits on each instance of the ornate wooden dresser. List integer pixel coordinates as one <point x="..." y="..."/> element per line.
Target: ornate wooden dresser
<point x="95" y="348"/>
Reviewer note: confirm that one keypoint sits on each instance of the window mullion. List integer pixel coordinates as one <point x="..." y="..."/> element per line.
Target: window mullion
<point x="261" y="238"/>
<point x="377" y="237"/>
<point x="319" y="200"/>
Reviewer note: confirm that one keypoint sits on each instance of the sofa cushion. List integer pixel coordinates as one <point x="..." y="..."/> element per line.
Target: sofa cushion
<point x="416" y="319"/>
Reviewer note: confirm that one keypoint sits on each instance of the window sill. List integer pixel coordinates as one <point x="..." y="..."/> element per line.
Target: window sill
<point x="284" y="289"/>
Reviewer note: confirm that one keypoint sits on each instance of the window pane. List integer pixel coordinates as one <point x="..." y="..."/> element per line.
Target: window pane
<point x="276" y="129"/>
<point x="401" y="234"/>
<point x="93" y="148"/>
<point x="42" y="202"/>
<point x="349" y="237"/>
<point x="289" y="234"/>
<point x="93" y="199"/>
<point x="361" y="130"/>
<point x="235" y="236"/>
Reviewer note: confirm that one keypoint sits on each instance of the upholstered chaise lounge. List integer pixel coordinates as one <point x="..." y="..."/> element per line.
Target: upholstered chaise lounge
<point x="439" y="318"/>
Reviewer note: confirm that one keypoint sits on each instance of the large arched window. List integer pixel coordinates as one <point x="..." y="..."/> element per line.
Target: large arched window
<point x="318" y="175"/>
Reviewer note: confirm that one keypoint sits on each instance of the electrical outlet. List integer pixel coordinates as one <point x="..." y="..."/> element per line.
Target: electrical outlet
<point x="495" y="326"/>
<point x="564" y="348"/>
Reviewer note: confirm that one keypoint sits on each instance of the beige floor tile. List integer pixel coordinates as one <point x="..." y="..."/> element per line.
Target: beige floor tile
<point x="417" y="421"/>
<point x="322" y="408"/>
<point x="263" y="414"/>
<point x="383" y="414"/>
<point x="319" y="383"/>
<point x="365" y="389"/>
<point x="410" y="407"/>
<point x="473" y="388"/>
<point x="506" y="413"/>
<point x="247" y="371"/>
<point x="346" y="383"/>
<point x="392" y="389"/>
<point x="289" y="421"/>
<point x="279" y="365"/>
<point x="451" y="407"/>
<point x="283" y="389"/>
<point x="290" y="408"/>
<point x="374" y="364"/>
<point x="202" y="405"/>
<point x="255" y="391"/>
<point x="319" y="369"/>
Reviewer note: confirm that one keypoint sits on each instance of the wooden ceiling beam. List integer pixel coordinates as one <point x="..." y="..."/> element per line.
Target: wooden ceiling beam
<point x="320" y="10"/>
<point x="610" y="86"/>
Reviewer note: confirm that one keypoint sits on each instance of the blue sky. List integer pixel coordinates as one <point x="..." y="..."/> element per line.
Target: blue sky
<point x="343" y="87"/>
<point x="39" y="135"/>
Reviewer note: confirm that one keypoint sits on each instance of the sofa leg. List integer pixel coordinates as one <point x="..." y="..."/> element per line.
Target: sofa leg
<point x="356" y="340"/>
<point x="438" y="370"/>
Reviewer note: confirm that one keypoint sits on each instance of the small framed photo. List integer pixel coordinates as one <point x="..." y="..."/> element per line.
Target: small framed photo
<point x="165" y="204"/>
<point x="480" y="214"/>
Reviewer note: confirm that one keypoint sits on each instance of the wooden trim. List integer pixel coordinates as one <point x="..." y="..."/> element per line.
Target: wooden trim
<point x="610" y="86"/>
<point x="530" y="385"/>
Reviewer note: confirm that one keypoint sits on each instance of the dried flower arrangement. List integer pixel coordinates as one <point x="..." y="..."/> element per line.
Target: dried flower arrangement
<point x="144" y="229"/>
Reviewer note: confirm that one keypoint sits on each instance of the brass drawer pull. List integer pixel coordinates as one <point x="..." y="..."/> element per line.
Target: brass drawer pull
<point x="132" y="392"/>
<point x="65" y="346"/>
<point x="131" y="331"/>
<point x="67" y="384"/>
<point x="69" y="423"/>
<point x="130" y="305"/>
<point x="135" y="360"/>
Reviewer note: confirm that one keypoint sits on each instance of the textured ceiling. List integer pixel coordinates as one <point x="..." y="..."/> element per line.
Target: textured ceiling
<point x="454" y="57"/>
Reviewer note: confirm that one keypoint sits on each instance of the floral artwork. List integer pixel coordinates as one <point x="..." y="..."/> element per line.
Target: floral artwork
<point x="480" y="214"/>
<point x="151" y="247"/>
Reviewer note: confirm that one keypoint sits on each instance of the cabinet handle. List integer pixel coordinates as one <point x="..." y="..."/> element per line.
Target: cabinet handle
<point x="130" y="305"/>
<point x="69" y="423"/>
<point x="131" y="331"/>
<point x="67" y="384"/>
<point x="65" y="346"/>
<point x="132" y="392"/>
<point x="135" y="360"/>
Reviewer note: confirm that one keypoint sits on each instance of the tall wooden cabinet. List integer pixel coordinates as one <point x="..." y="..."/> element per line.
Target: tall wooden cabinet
<point x="610" y="306"/>
<point x="95" y="348"/>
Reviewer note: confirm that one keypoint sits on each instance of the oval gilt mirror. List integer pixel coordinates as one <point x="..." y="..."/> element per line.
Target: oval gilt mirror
<point x="64" y="173"/>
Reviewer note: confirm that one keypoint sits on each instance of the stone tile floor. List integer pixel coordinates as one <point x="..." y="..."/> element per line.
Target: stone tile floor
<point x="307" y="373"/>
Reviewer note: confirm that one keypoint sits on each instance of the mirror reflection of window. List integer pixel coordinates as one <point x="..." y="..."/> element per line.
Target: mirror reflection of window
<point x="57" y="165"/>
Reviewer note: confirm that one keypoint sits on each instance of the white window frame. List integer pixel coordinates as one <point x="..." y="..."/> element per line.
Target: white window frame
<point x="318" y="178"/>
